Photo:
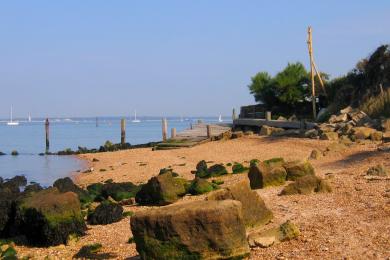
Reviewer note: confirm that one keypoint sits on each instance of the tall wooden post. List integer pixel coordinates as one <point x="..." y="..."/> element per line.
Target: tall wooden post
<point x="97" y="122"/>
<point x="313" y="91"/>
<point x="268" y="115"/>
<point x="173" y="132"/>
<point x="208" y="128"/>
<point x="234" y="114"/>
<point x="123" y="131"/>
<point x="164" y="129"/>
<point x="47" y="134"/>
<point x="191" y="127"/>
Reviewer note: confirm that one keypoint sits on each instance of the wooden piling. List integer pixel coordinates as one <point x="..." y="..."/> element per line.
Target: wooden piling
<point x="208" y="131"/>
<point x="164" y="129"/>
<point x="268" y="115"/>
<point x="173" y="132"/>
<point x="234" y="114"/>
<point x="123" y="131"/>
<point x="47" y="134"/>
<point x="191" y="127"/>
<point x="97" y="122"/>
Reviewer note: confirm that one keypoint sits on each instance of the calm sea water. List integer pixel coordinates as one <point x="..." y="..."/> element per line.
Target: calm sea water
<point x="28" y="138"/>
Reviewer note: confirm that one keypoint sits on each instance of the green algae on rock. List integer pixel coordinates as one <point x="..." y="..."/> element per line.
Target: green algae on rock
<point x="306" y="185"/>
<point x="296" y="169"/>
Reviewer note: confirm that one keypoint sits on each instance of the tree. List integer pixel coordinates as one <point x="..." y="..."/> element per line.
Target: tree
<point x="287" y="89"/>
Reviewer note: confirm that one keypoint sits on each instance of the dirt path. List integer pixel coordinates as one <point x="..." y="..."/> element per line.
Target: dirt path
<point x="352" y="222"/>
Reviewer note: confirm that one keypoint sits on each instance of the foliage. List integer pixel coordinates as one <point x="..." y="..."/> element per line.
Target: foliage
<point x="287" y="92"/>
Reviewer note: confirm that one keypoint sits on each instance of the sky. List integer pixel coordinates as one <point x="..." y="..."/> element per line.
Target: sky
<point x="169" y="58"/>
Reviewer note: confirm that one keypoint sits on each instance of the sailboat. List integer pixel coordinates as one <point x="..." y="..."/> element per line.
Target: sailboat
<point x="29" y="118"/>
<point x="11" y="122"/>
<point x="135" y="117"/>
<point x="220" y="119"/>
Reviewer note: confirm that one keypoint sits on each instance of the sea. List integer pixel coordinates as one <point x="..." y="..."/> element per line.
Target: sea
<point x="28" y="138"/>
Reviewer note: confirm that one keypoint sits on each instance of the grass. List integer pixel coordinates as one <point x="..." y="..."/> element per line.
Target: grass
<point x="378" y="106"/>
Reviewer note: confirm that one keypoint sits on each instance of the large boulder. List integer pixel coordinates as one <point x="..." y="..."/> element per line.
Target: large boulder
<point x="7" y="203"/>
<point x="191" y="230"/>
<point x="48" y="217"/>
<point x="306" y="185"/>
<point x="254" y="211"/>
<point x="106" y="213"/>
<point x="296" y="169"/>
<point x="120" y="190"/>
<point x="262" y="175"/>
<point x="13" y="185"/>
<point x="162" y="190"/>
<point x="213" y="171"/>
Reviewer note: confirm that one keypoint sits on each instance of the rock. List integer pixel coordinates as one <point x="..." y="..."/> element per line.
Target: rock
<point x="14" y="153"/>
<point x="201" y="169"/>
<point x="335" y="147"/>
<point x="345" y="140"/>
<point x="7" y="204"/>
<point x="337" y="119"/>
<point x="200" y="186"/>
<point x="13" y="185"/>
<point x="248" y="132"/>
<point x="238" y="168"/>
<point x="315" y="154"/>
<point x="346" y="110"/>
<point x="360" y="118"/>
<point x="286" y="231"/>
<point x="254" y="211"/>
<point x="66" y="185"/>
<point x="121" y="190"/>
<point x="106" y="213"/>
<point x="262" y="175"/>
<point x="168" y="170"/>
<point x="331" y="136"/>
<point x="345" y="129"/>
<point x="162" y="190"/>
<point x="386" y="137"/>
<point x="306" y="185"/>
<point x="214" y="171"/>
<point x="1" y="153"/>
<point x="35" y="187"/>
<point x="48" y="217"/>
<point x="296" y="169"/>
<point x="362" y="132"/>
<point x="376" y="136"/>
<point x="378" y="170"/>
<point x="324" y="128"/>
<point x="225" y="135"/>
<point x="275" y="162"/>
<point x="191" y="230"/>
<point x="385" y="124"/>
<point x="312" y="133"/>
<point x="237" y="134"/>
<point x="269" y="130"/>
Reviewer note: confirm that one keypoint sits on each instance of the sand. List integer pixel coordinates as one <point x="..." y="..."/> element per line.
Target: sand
<point x="352" y="222"/>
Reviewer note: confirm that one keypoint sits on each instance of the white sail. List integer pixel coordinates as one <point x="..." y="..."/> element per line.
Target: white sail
<point x="220" y="118"/>
<point x="135" y="117"/>
<point x="11" y="122"/>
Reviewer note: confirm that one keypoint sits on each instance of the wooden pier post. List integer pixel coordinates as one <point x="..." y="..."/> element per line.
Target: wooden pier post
<point x="191" y="127"/>
<point x="173" y="132"/>
<point x="208" y="127"/>
<point x="268" y="115"/>
<point x="123" y="131"/>
<point x="47" y="134"/>
<point x="97" y="122"/>
<point x="234" y="114"/>
<point x="164" y="129"/>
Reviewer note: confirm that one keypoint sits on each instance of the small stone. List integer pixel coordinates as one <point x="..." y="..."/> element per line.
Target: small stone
<point x="315" y="154"/>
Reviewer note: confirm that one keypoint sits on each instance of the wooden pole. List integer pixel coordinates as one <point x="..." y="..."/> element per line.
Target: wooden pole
<point x="97" y="122"/>
<point x="191" y="127"/>
<point x="208" y="127"/>
<point x="47" y="134"/>
<point x="313" y="93"/>
<point x="123" y="131"/>
<point x="164" y="129"/>
<point x="234" y="114"/>
<point x="268" y="115"/>
<point x="173" y="132"/>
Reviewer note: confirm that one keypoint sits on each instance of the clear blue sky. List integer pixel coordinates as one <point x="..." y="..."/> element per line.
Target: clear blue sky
<point x="88" y="58"/>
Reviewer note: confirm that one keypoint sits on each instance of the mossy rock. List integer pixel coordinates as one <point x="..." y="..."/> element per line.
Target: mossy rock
<point x="306" y="185"/>
<point x="297" y="169"/>
<point x="191" y="230"/>
<point x="14" y="153"/>
<point x="254" y="162"/>
<point x="106" y="213"/>
<point x="262" y="175"/>
<point x="378" y="170"/>
<point x="216" y="170"/>
<point x="48" y="217"/>
<point x="254" y="211"/>
<point x="95" y="191"/>
<point x="238" y="168"/>
<point x="275" y="162"/>
<point x="162" y="190"/>
<point x="168" y="170"/>
<point x="200" y="186"/>
<point x="66" y="185"/>
<point x="201" y="169"/>
<point x="120" y="190"/>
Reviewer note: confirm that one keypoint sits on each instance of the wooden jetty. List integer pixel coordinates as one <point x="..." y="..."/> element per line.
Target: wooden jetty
<point x="196" y="134"/>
